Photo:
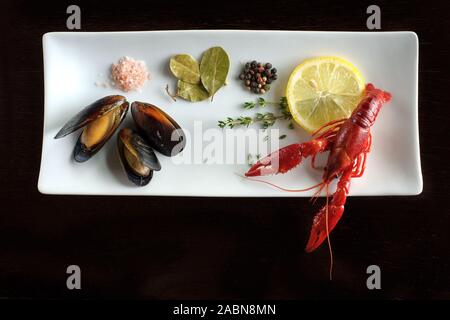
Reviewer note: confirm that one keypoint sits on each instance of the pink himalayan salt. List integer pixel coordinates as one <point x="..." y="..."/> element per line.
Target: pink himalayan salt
<point x="129" y="74"/>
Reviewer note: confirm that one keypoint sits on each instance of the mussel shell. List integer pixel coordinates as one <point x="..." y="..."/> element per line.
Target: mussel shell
<point x="128" y="138"/>
<point x="162" y="132"/>
<point x="89" y="114"/>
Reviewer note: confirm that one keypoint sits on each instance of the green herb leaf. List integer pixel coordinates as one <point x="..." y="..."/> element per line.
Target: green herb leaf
<point x="248" y="105"/>
<point x="191" y="92"/>
<point x="283" y="102"/>
<point x="185" y="68"/>
<point x="261" y="101"/>
<point x="214" y="69"/>
<point x="249" y="159"/>
<point x="267" y="119"/>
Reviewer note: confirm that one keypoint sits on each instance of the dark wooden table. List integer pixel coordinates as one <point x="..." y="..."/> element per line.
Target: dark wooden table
<point x="165" y="248"/>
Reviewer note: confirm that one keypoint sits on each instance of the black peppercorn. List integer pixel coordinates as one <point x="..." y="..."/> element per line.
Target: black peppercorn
<point x="257" y="76"/>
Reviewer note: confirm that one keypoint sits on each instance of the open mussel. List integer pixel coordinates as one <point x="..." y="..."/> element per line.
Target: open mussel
<point x="158" y="128"/>
<point x="99" y="120"/>
<point x="137" y="157"/>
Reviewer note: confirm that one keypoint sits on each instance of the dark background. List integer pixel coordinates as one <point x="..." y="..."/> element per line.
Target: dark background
<point x="212" y="248"/>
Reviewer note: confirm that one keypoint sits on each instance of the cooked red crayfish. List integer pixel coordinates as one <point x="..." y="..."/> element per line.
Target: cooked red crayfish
<point x="348" y="141"/>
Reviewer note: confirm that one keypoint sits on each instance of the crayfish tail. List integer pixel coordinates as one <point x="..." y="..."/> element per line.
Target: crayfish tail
<point x="329" y="215"/>
<point x="319" y="231"/>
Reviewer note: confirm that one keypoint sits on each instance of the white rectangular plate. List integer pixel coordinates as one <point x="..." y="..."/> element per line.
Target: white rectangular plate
<point x="74" y="62"/>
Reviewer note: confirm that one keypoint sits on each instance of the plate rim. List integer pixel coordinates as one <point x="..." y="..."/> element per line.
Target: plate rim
<point x="47" y="37"/>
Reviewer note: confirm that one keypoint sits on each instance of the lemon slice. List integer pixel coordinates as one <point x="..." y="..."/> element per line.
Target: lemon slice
<point x="323" y="89"/>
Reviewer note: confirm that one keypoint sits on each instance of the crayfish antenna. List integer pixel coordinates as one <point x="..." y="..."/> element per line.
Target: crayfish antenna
<point x="277" y="186"/>
<point x="335" y="124"/>
<point x="318" y="192"/>
<point x="328" y="236"/>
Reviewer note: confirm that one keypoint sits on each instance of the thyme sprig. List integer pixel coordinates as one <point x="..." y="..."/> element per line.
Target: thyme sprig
<point x="265" y="119"/>
<point x="240" y="121"/>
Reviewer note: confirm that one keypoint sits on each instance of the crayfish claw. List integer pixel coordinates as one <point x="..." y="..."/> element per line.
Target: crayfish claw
<point x="260" y="169"/>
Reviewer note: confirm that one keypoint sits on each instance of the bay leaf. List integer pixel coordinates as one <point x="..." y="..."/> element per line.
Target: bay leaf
<point x="214" y="69"/>
<point x="192" y="92"/>
<point x="185" y="68"/>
